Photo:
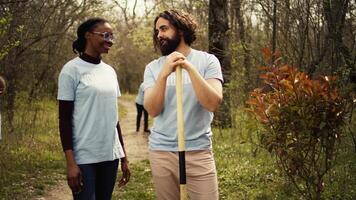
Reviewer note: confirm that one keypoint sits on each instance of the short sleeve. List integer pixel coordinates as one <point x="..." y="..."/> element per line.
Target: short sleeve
<point x="148" y="78"/>
<point x="118" y="90"/>
<point x="66" y="86"/>
<point x="115" y="81"/>
<point x="140" y="91"/>
<point x="213" y="69"/>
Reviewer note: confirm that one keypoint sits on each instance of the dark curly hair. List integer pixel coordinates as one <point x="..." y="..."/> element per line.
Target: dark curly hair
<point x="87" y="26"/>
<point x="181" y="21"/>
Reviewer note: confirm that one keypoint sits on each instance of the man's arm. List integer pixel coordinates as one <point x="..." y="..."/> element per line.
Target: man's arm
<point x="154" y="96"/>
<point x="209" y="92"/>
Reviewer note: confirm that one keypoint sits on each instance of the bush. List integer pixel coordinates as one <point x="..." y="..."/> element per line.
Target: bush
<point x="303" y="120"/>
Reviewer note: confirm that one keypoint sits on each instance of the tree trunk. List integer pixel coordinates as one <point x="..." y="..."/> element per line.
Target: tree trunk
<point x="245" y="43"/>
<point x="218" y="45"/>
<point x="274" y="30"/>
<point x="335" y="13"/>
<point x="218" y="36"/>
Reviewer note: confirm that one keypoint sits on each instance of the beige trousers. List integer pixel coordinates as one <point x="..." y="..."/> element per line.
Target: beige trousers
<point x="200" y="170"/>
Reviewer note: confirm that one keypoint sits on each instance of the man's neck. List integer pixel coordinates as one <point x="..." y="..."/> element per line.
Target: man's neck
<point x="184" y="49"/>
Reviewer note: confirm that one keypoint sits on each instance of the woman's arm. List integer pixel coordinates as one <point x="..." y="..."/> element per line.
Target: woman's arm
<point x="74" y="176"/>
<point x="124" y="162"/>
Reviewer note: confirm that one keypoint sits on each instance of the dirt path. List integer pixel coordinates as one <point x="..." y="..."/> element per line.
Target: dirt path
<point x="135" y="144"/>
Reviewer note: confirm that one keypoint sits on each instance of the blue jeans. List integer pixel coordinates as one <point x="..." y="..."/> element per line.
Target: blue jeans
<point x="98" y="180"/>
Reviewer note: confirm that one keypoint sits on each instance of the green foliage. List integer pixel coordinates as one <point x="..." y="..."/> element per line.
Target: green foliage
<point x="131" y="53"/>
<point x="241" y="174"/>
<point x="140" y="185"/>
<point x="234" y="90"/>
<point x="7" y="45"/>
<point x="303" y="120"/>
<point x="341" y="180"/>
<point x="238" y="75"/>
<point x="32" y="161"/>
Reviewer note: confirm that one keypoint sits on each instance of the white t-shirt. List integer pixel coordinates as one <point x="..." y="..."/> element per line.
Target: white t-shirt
<point x="94" y="89"/>
<point x="197" y="119"/>
<point x="140" y="95"/>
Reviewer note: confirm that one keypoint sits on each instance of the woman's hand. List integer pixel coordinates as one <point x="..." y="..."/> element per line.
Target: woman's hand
<point x="126" y="174"/>
<point x="74" y="178"/>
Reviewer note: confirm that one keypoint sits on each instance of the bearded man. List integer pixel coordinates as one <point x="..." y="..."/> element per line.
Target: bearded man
<point x="173" y="34"/>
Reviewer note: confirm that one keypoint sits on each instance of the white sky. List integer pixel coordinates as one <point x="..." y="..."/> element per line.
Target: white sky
<point x="140" y="6"/>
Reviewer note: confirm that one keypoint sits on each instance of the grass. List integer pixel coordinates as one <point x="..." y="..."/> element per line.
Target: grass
<point x="241" y="175"/>
<point x="140" y="185"/>
<point x="246" y="174"/>
<point x="31" y="161"/>
<point x="128" y="97"/>
<point x="31" y="157"/>
<point x="122" y="109"/>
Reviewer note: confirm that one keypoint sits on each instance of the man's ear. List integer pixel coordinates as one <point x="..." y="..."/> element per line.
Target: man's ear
<point x="180" y="33"/>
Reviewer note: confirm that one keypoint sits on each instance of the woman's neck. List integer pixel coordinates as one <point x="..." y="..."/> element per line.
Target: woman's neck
<point x="92" y="53"/>
<point x="89" y="58"/>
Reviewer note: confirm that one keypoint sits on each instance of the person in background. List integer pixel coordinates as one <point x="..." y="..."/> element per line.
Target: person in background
<point x="173" y="34"/>
<point x="140" y="109"/>
<point x="88" y="119"/>
<point x="2" y="90"/>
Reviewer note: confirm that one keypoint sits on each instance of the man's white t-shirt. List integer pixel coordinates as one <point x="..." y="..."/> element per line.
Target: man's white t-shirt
<point x="94" y="89"/>
<point x="197" y="119"/>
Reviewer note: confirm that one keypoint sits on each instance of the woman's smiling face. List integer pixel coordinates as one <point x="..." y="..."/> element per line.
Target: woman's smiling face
<point x="100" y="39"/>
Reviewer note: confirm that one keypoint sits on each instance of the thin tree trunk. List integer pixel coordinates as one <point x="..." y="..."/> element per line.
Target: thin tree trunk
<point x="218" y="45"/>
<point x="242" y="36"/>
<point x="274" y="30"/>
<point x="218" y="37"/>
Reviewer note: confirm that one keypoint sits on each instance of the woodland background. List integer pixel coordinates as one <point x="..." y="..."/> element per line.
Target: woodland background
<point x="318" y="37"/>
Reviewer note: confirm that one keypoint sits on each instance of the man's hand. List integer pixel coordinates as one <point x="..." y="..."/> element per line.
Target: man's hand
<point x="126" y="174"/>
<point x="171" y="63"/>
<point x="184" y="63"/>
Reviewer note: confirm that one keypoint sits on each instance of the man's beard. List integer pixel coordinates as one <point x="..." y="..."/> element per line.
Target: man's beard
<point x="167" y="46"/>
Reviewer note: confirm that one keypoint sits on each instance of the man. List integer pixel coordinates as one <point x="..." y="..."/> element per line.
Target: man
<point x="140" y="110"/>
<point x="174" y="32"/>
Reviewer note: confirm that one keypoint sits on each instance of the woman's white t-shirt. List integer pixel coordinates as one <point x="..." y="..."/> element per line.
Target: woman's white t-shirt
<point x="94" y="89"/>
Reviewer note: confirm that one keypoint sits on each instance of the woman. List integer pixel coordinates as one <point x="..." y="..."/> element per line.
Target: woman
<point x="89" y="128"/>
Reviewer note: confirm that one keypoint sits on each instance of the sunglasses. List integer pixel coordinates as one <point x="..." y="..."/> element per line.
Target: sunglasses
<point x="108" y="37"/>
